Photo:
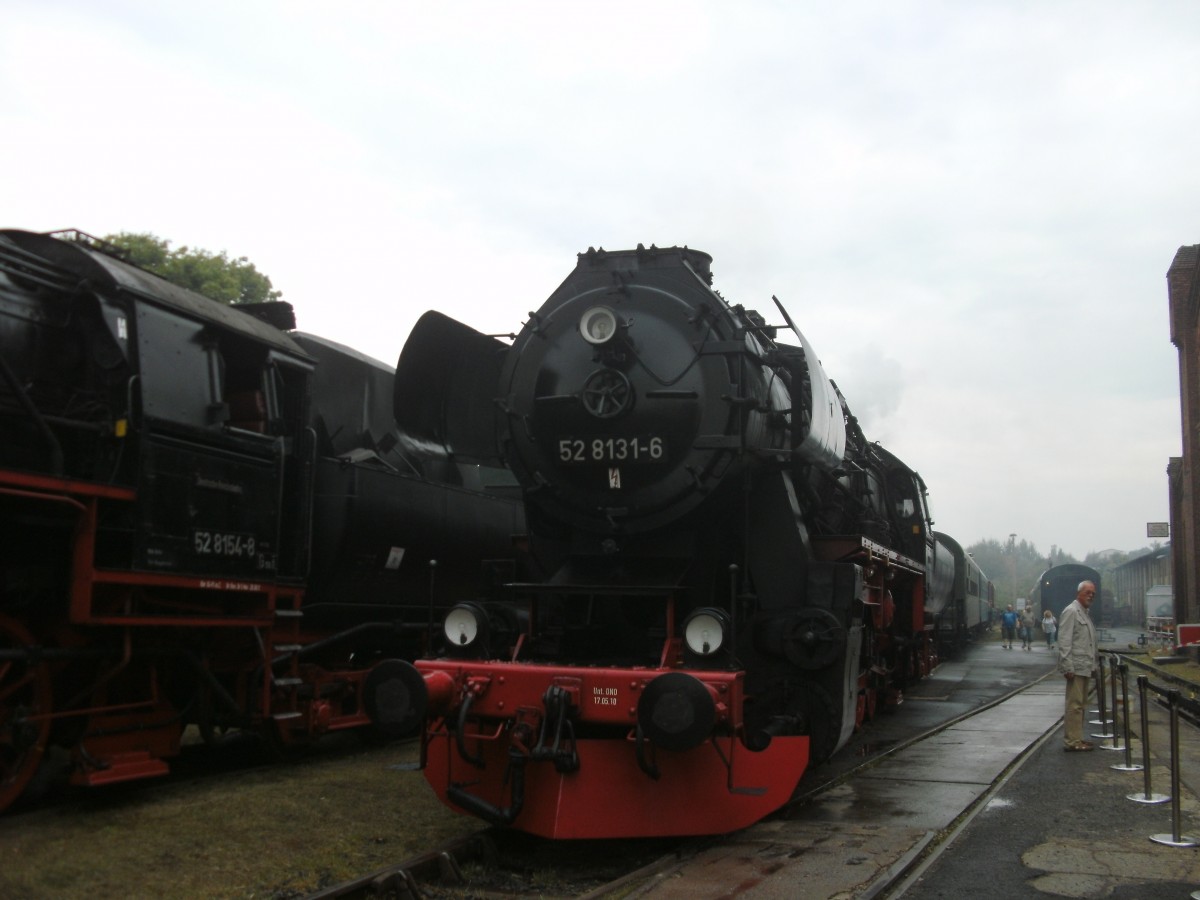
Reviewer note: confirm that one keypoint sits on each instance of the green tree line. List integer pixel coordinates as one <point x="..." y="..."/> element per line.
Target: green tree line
<point x="215" y="275"/>
<point x="1014" y="566"/>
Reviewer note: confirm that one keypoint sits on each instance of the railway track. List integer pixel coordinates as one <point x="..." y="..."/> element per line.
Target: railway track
<point x="496" y="863"/>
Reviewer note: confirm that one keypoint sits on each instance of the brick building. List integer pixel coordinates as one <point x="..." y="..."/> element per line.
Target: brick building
<point x="1183" y="473"/>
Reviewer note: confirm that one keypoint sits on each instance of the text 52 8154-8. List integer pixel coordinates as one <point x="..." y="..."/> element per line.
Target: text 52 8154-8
<point x="221" y="543"/>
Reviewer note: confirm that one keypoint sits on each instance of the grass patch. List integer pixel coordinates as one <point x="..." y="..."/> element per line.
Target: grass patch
<point x="278" y="832"/>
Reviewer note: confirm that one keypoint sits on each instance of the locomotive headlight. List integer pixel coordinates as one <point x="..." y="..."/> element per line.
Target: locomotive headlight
<point x="466" y="627"/>
<point x="598" y="325"/>
<point x="705" y="631"/>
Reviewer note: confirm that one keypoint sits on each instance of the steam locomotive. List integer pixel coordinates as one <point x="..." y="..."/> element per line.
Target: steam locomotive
<point x="733" y="577"/>
<point x="208" y="519"/>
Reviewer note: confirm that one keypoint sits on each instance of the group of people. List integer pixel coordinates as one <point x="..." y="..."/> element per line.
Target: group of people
<point x="1011" y="621"/>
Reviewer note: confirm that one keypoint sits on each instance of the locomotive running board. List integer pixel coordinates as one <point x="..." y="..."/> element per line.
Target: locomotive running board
<point x="835" y="548"/>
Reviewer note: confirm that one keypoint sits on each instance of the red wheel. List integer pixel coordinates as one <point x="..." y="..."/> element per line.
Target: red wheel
<point x="25" y="701"/>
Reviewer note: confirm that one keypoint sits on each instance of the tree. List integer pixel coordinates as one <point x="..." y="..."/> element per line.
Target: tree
<point x="216" y="276"/>
<point x="1013" y="566"/>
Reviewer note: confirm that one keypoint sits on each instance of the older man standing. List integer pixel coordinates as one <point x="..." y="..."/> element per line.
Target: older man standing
<point x="1077" y="661"/>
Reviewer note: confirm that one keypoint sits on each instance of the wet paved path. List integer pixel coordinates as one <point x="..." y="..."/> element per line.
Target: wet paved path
<point x="1058" y="825"/>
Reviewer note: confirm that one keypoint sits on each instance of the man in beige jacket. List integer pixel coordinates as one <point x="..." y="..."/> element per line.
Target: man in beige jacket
<point x="1077" y="660"/>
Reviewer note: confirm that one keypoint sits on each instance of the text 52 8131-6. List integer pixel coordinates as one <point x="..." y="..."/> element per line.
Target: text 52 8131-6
<point x="612" y="449"/>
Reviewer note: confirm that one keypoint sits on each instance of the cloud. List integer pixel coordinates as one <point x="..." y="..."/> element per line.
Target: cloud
<point x="969" y="210"/>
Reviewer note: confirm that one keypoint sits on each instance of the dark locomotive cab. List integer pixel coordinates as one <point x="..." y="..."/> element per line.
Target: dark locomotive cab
<point x="199" y="409"/>
<point x="222" y="431"/>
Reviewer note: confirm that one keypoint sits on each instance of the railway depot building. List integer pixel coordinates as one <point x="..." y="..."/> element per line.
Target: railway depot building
<point x="1141" y="587"/>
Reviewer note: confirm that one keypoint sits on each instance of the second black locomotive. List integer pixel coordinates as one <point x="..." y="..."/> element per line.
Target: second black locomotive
<point x="207" y="519"/>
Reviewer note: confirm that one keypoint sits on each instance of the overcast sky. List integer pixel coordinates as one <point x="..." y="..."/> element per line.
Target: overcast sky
<point x="968" y="208"/>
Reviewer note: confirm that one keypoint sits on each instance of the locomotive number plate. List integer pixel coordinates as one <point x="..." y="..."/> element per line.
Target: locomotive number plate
<point x="642" y="449"/>
<point x="223" y="543"/>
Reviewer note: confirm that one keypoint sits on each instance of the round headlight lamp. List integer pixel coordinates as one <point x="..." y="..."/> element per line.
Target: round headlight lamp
<point x="465" y="627"/>
<point x="706" y="631"/>
<point x="598" y="325"/>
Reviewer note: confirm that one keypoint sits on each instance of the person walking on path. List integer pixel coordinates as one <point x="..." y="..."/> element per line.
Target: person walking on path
<point x="1077" y="660"/>
<point x="1008" y="627"/>
<point x="1049" y="627"/>
<point x="1027" y="628"/>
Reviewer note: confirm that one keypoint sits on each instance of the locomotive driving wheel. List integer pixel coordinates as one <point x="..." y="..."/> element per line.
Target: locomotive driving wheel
<point x="25" y="701"/>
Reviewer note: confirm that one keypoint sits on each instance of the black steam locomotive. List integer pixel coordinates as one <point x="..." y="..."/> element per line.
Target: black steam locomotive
<point x="735" y="578"/>
<point x="207" y="519"/>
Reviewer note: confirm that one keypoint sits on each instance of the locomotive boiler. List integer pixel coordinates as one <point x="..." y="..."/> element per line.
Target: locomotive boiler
<point x="208" y="519"/>
<point x="733" y="577"/>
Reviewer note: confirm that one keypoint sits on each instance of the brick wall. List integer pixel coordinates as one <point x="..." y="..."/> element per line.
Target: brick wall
<point x="1183" y="291"/>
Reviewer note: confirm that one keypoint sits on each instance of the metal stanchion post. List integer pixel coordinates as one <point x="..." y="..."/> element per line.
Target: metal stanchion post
<point x="1097" y="711"/>
<point x="1143" y="698"/>
<point x="1112" y="683"/>
<point x="1174" y="839"/>
<point x="1129" y="765"/>
<point x="1103" y="721"/>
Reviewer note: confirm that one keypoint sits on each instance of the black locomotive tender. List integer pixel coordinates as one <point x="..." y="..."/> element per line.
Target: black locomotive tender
<point x="207" y="518"/>
<point x="734" y="577"/>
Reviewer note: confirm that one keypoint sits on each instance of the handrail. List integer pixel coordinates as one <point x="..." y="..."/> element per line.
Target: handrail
<point x="1190" y="702"/>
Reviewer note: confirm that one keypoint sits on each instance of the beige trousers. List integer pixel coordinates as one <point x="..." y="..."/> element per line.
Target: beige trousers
<point x="1076" y="707"/>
